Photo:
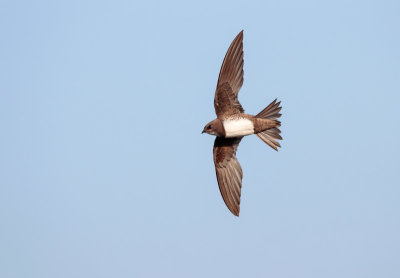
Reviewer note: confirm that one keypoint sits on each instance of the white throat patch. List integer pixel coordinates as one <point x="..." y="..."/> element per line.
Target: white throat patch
<point x="238" y="127"/>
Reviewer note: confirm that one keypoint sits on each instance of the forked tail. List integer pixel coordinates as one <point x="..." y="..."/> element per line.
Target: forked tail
<point x="270" y="136"/>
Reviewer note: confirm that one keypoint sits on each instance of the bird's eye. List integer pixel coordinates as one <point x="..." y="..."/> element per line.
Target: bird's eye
<point x="209" y="127"/>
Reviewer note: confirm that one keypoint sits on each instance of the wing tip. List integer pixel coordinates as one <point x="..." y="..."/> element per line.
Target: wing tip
<point x="234" y="211"/>
<point x="240" y="35"/>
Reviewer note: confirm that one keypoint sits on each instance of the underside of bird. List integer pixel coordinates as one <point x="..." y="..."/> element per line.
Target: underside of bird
<point x="232" y="124"/>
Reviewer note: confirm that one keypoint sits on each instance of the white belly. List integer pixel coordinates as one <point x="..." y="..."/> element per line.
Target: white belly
<point x="238" y="127"/>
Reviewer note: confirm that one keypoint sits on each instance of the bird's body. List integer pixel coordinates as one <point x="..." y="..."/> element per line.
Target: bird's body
<point x="244" y="124"/>
<point x="232" y="124"/>
<point x="238" y="126"/>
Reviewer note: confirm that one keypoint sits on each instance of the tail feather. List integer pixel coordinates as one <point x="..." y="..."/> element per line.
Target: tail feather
<point x="270" y="136"/>
<point x="268" y="140"/>
<point x="271" y="112"/>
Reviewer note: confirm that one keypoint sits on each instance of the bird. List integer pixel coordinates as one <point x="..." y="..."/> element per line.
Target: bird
<point x="232" y="124"/>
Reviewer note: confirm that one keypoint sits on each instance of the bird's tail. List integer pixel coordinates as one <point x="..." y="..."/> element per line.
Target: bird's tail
<point x="270" y="136"/>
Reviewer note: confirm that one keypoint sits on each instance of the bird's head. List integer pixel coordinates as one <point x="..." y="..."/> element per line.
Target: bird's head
<point x="214" y="128"/>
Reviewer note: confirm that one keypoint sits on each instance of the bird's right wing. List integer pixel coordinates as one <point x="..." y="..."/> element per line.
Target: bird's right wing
<point x="229" y="172"/>
<point x="230" y="80"/>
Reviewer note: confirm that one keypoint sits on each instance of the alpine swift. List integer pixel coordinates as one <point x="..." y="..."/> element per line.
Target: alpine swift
<point x="232" y="124"/>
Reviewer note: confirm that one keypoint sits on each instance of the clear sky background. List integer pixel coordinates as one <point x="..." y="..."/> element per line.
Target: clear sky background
<point x="104" y="172"/>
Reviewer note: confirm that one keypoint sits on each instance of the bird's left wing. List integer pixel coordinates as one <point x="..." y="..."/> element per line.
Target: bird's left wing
<point x="230" y="80"/>
<point x="229" y="172"/>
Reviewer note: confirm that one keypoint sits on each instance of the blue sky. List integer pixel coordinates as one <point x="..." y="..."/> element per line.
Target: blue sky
<point x="104" y="172"/>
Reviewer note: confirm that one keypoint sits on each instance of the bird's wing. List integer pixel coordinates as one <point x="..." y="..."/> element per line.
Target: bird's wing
<point x="230" y="80"/>
<point x="228" y="170"/>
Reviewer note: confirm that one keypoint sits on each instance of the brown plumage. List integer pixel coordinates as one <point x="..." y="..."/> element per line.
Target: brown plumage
<point x="230" y="80"/>
<point x="228" y="170"/>
<point x="269" y="136"/>
<point x="232" y="124"/>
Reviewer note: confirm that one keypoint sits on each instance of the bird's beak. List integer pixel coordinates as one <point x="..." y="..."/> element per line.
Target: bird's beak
<point x="202" y="132"/>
